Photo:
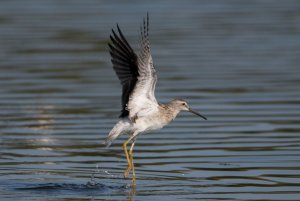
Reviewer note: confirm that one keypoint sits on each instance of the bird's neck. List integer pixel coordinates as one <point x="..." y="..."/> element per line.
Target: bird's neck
<point x="169" y="112"/>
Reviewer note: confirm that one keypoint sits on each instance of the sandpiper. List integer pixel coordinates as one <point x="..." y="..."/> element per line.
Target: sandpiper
<point x="140" y="110"/>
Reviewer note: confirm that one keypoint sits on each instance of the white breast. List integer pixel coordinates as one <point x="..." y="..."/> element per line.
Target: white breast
<point x="148" y="123"/>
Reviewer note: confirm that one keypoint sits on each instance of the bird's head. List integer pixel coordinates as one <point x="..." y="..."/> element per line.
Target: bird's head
<point x="183" y="106"/>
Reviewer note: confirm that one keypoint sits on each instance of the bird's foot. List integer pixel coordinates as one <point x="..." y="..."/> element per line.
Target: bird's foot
<point x="133" y="182"/>
<point x="127" y="171"/>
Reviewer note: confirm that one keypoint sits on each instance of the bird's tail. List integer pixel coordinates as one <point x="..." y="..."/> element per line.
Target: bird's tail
<point x="121" y="127"/>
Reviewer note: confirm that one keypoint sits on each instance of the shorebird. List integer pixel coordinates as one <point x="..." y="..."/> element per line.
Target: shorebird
<point x="140" y="110"/>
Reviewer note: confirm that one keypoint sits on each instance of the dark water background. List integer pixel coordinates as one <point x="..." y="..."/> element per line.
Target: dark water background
<point x="235" y="61"/>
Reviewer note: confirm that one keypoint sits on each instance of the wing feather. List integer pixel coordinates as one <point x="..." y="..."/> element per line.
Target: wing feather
<point x="136" y="73"/>
<point x="142" y="101"/>
<point x="125" y="65"/>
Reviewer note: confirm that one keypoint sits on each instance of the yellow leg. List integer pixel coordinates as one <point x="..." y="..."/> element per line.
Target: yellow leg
<point x="127" y="158"/>
<point x="129" y="167"/>
<point x="133" y="183"/>
<point x="131" y="159"/>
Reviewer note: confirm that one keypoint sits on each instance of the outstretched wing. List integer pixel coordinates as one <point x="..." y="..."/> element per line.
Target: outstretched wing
<point x="142" y="100"/>
<point x="125" y="64"/>
<point x="136" y="74"/>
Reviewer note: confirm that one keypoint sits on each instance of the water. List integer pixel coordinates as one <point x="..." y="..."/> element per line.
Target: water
<point x="236" y="62"/>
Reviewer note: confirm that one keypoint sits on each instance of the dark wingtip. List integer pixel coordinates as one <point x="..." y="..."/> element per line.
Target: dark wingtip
<point x="111" y="37"/>
<point x="147" y="23"/>
<point x="114" y="33"/>
<point x="148" y="17"/>
<point x="118" y="28"/>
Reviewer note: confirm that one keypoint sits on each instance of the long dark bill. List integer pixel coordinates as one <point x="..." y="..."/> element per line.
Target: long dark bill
<point x="196" y="113"/>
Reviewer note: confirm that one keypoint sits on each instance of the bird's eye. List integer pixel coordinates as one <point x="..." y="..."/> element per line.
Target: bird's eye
<point x="183" y="104"/>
